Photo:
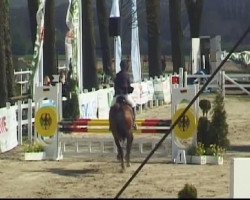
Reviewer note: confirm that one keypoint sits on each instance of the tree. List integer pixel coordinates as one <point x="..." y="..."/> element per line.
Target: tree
<point x="154" y="48"/>
<point x="6" y="65"/>
<point x="104" y="36"/>
<point x="3" y="80"/>
<point x="194" y="10"/>
<point x="49" y="57"/>
<point x="89" y="73"/>
<point x="176" y="35"/>
<point x="219" y="126"/>
<point x="33" y="7"/>
<point x="8" y="54"/>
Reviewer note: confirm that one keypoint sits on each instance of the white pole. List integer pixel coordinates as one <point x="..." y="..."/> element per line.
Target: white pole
<point x="30" y="119"/>
<point x="115" y="54"/>
<point x="80" y="81"/>
<point x="180" y="77"/>
<point x="19" y="118"/>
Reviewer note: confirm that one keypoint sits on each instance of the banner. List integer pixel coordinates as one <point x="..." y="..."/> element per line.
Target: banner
<point x="135" y="47"/>
<point x="37" y="62"/>
<point x="115" y="12"/>
<point x="105" y="97"/>
<point x="73" y="40"/>
<point x="8" y="129"/>
<point x="162" y="89"/>
<point x="88" y="105"/>
<point x="151" y="90"/>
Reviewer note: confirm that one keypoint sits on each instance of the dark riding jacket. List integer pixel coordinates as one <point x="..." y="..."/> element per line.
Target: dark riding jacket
<point x="122" y="83"/>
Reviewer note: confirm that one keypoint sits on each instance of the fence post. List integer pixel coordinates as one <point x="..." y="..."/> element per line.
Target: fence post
<point x="223" y="84"/>
<point x="30" y="111"/>
<point x="19" y="118"/>
<point x="8" y="105"/>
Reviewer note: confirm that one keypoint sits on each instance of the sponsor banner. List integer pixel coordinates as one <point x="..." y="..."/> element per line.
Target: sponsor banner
<point x="162" y="89"/>
<point x="136" y="93"/>
<point x="88" y="105"/>
<point x="8" y="129"/>
<point x="150" y="85"/>
<point x="105" y="97"/>
<point x="143" y="93"/>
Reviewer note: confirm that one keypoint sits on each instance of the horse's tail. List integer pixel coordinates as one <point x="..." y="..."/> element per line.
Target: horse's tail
<point x="121" y="125"/>
<point x="117" y="113"/>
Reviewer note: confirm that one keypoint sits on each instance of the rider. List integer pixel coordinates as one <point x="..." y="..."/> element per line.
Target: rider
<point x="122" y="87"/>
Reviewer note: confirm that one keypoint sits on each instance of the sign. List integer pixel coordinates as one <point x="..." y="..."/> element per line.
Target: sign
<point x="186" y="126"/>
<point x="46" y="121"/>
<point x="175" y="80"/>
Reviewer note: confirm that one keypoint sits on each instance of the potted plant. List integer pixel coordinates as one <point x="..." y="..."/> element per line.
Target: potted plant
<point x="196" y="154"/>
<point x="214" y="154"/>
<point x="34" y="151"/>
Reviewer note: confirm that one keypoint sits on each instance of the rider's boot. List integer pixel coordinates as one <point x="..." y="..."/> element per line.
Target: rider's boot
<point x="134" y="113"/>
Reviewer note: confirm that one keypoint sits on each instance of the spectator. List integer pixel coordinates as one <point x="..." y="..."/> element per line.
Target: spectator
<point x="46" y="81"/>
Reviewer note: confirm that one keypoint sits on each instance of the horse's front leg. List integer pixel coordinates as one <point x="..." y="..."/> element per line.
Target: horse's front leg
<point x="128" y="150"/>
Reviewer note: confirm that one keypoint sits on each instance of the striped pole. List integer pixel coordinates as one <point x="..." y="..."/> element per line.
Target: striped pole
<point x="106" y="130"/>
<point x="145" y="126"/>
<point x="104" y="122"/>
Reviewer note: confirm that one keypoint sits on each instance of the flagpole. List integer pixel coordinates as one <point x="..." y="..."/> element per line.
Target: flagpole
<point x="115" y="40"/>
<point x="79" y="48"/>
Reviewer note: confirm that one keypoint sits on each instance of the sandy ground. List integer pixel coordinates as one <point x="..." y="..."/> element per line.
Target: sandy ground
<point x="100" y="177"/>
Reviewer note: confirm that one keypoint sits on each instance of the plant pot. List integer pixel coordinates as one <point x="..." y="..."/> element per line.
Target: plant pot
<point x="200" y="160"/>
<point x="215" y="160"/>
<point x="34" y="156"/>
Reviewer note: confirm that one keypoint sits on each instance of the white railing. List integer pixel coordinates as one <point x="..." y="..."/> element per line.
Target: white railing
<point x="219" y="81"/>
<point x="23" y="83"/>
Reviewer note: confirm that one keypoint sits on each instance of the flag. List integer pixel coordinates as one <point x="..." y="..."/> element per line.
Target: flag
<point x="135" y="47"/>
<point x="37" y="62"/>
<point x="73" y="40"/>
<point x="115" y="12"/>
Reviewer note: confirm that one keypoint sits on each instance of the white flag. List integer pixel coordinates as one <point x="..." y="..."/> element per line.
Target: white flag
<point x="135" y="47"/>
<point x="73" y="40"/>
<point x="115" y="12"/>
<point x="37" y="63"/>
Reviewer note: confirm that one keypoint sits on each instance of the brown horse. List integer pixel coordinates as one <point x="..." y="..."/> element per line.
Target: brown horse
<point x="121" y="125"/>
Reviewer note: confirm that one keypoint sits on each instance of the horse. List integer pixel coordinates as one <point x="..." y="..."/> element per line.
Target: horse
<point x="121" y="126"/>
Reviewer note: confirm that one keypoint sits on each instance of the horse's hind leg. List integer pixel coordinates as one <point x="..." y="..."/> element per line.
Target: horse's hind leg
<point x="120" y="153"/>
<point x="129" y="145"/>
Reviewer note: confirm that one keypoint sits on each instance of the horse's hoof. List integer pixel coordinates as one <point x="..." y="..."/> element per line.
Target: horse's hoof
<point x="122" y="170"/>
